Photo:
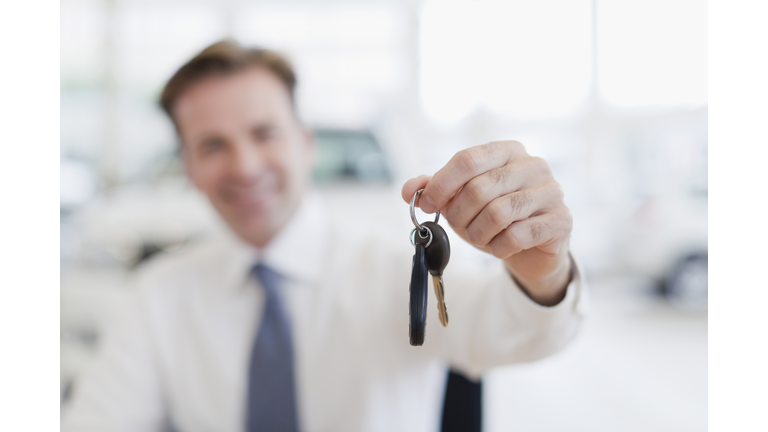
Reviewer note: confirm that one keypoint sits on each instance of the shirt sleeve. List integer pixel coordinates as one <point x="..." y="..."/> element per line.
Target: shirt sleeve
<point x="120" y="390"/>
<point x="493" y="322"/>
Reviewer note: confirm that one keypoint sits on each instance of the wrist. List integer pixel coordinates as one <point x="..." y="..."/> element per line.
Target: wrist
<point x="550" y="289"/>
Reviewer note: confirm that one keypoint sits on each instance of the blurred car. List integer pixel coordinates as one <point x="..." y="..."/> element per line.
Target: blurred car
<point x="350" y="155"/>
<point x="666" y="239"/>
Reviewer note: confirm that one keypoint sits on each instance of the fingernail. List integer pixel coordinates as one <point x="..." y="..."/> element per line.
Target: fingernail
<point x="426" y="204"/>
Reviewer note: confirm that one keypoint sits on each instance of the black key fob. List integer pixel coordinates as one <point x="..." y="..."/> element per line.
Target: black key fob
<point x="439" y="251"/>
<point x="418" y="302"/>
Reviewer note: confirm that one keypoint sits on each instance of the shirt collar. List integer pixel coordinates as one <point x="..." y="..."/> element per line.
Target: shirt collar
<point x="295" y="252"/>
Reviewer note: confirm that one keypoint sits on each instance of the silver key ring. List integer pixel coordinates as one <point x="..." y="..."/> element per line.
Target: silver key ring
<point x="413" y="237"/>
<point x="413" y="214"/>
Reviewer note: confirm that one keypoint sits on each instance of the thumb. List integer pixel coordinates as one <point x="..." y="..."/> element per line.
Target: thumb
<point x="411" y="186"/>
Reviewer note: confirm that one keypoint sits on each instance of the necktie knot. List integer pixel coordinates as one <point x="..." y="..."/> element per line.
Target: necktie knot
<point x="268" y="278"/>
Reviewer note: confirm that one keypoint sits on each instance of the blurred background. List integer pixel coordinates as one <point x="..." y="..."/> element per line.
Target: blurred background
<point x="613" y="93"/>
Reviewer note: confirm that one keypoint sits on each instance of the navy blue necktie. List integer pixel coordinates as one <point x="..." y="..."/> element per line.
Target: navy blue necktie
<point x="271" y="385"/>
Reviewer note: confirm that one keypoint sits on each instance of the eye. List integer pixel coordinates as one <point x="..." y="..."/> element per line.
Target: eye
<point x="212" y="145"/>
<point x="265" y="133"/>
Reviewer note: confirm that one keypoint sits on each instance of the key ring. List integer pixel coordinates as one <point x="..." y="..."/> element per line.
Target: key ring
<point x="413" y="236"/>
<point x="413" y="216"/>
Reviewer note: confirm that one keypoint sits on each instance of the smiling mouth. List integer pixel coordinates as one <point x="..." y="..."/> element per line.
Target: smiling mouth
<point x="254" y="198"/>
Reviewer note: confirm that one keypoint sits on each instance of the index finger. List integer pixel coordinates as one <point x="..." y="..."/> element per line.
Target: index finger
<point x="411" y="186"/>
<point x="463" y="167"/>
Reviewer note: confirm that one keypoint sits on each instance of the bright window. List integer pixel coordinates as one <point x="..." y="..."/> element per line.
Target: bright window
<point x="653" y="52"/>
<point x="527" y="60"/>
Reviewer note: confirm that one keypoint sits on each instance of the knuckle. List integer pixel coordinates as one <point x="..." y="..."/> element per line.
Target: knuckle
<point x="499" y="175"/>
<point x="497" y="213"/>
<point x="493" y="146"/>
<point x="467" y="159"/>
<point x="516" y="146"/>
<point x="538" y="231"/>
<point x="494" y="150"/>
<point x="519" y="201"/>
<point x="543" y="166"/>
<point x="475" y="189"/>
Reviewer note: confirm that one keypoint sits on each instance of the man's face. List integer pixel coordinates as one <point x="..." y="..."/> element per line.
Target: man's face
<point x="244" y="148"/>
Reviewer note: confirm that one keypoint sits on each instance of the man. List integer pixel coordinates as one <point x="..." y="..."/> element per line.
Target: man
<point x="298" y="321"/>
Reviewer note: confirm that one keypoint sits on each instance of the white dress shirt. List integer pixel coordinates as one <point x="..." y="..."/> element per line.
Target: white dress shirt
<point x="179" y="353"/>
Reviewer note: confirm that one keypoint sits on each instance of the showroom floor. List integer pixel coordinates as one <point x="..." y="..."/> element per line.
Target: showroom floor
<point x="638" y="365"/>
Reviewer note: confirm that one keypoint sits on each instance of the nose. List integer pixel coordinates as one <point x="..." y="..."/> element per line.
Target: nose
<point x="246" y="162"/>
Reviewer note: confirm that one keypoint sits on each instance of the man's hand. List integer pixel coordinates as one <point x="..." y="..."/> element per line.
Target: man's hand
<point x="505" y="202"/>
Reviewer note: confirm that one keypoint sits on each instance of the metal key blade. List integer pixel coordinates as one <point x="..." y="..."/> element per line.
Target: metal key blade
<point x="442" y="309"/>
<point x="438" y="254"/>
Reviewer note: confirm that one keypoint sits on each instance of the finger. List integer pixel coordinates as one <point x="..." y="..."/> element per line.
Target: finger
<point x="464" y="166"/>
<point x="411" y="186"/>
<point x="548" y="229"/>
<point x="505" y="210"/>
<point x="481" y="190"/>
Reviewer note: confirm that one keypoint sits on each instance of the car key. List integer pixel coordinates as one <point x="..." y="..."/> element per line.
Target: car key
<point x="422" y="238"/>
<point x="438" y="255"/>
<point x="438" y="252"/>
<point x="417" y="313"/>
